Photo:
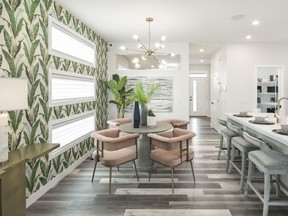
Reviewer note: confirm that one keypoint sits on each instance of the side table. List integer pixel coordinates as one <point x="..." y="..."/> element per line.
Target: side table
<point x="12" y="178"/>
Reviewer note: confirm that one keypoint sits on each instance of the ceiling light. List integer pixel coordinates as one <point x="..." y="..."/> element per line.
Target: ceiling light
<point x="248" y="37"/>
<point x="122" y="48"/>
<point x="150" y="51"/>
<point x="255" y="22"/>
<point x="201" y="50"/>
<point x="201" y="60"/>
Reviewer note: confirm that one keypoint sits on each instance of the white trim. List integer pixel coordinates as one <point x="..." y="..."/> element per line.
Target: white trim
<point x="35" y="196"/>
<point x="63" y="121"/>
<point x="70" y="76"/>
<point x="60" y="26"/>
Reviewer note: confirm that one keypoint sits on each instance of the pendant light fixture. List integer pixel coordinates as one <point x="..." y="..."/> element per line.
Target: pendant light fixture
<point x="150" y="51"/>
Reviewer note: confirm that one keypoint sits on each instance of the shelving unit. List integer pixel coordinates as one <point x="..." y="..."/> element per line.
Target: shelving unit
<point x="267" y="94"/>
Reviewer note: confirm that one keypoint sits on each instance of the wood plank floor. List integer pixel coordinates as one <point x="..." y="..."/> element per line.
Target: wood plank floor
<point x="214" y="193"/>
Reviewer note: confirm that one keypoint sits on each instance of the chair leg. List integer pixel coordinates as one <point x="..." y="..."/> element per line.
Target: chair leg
<point x="191" y="164"/>
<point x="118" y="168"/>
<point x="94" y="171"/>
<point x="232" y="158"/>
<point x="267" y="187"/>
<point x="151" y="169"/>
<point x="221" y="147"/>
<point x="172" y="179"/>
<point x="136" y="170"/>
<point x="249" y="177"/>
<point x="110" y="178"/>
<point x="277" y="185"/>
<point x="228" y="153"/>
<point x="243" y="167"/>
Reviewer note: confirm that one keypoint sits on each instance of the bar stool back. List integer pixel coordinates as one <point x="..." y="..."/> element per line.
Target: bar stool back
<point x="270" y="163"/>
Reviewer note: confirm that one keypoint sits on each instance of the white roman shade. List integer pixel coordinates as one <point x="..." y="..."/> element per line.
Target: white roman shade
<point x="66" y="43"/>
<point x="70" y="88"/>
<point x="71" y="131"/>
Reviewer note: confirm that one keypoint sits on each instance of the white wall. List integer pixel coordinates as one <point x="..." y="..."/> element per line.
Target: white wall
<point x="241" y="74"/>
<point x="237" y="71"/>
<point x="196" y="68"/>
<point x="180" y="78"/>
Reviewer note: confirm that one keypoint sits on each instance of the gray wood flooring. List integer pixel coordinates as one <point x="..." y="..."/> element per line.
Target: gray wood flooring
<point x="214" y="193"/>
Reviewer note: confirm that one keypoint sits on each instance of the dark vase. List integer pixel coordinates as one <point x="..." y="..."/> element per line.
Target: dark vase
<point x="136" y="115"/>
<point x="143" y="115"/>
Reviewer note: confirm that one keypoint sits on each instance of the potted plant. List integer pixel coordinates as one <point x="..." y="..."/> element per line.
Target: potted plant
<point x="144" y="97"/>
<point x="122" y="98"/>
<point x="151" y="118"/>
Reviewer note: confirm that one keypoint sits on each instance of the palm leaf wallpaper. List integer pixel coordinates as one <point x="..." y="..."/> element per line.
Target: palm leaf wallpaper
<point x="24" y="53"/>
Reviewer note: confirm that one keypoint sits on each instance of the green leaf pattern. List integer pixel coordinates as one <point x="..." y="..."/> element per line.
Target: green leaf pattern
<point x="24" y="54"/>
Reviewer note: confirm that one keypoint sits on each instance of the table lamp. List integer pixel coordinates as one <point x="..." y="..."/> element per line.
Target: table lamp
<point x="13" y="96"/>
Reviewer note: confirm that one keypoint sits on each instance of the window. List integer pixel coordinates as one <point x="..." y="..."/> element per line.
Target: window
<point x="70" y="88"/>
<point x="66" y="43"/>
<point x="71" y="131"/>
<point x="198" y="75"/>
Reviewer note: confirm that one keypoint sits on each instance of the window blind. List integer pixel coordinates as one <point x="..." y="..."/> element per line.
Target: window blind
<point x="71" y="130"/>
<point x="66" y="43"/>
<point x="69" y="88"/>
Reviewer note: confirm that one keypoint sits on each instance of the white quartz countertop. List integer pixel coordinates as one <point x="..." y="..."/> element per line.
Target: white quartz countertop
<point x="260" y="129"/>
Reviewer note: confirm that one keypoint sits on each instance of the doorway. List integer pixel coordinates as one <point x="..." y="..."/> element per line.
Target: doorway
<point x="198" y="95"/>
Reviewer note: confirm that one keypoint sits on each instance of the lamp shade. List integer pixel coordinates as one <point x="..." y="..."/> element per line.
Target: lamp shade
<point x="13" y="94"/>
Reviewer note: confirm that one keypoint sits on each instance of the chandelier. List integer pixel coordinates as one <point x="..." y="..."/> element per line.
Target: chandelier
<point x="150" y="51"/>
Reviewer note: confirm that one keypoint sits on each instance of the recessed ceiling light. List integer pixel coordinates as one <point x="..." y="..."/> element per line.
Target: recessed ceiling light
<point x="248" y="37"/>
<point x="201" y="60"/>
<point x="201" y="50"/>
<point x="238" y="17"/>
<point x="255" y="22"/>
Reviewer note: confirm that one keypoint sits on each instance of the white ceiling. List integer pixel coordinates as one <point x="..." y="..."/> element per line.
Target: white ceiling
<point x="202" y="23"/>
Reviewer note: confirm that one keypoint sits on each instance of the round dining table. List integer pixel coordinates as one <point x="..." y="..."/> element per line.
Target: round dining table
<point x="143" y="161"/>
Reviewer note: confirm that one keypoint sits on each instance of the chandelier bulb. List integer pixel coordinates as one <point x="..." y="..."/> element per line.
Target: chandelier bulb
<point x="162" y="46"/>
<point x="135" y="60"/>
<point x="135" y="37"/>
<point x="163" y="38"/>
<point x="172" y="54"/>
<point x="157" y="45"/>
<point x="140" y="46"/>
<point x="122" y="48"/>
<point x="163" y="62"/>
<point x="144" y="57"/>
<point x="137" y="65"/>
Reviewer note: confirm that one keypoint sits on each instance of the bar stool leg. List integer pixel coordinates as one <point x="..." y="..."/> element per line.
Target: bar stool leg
<point x="267" y="187"/>
<point x="249" y="178"/>
<point x="232" y="158"/>
<point x="243" y="167"/>
<point x="221" y="146"/>
<point x="228" y="153"/>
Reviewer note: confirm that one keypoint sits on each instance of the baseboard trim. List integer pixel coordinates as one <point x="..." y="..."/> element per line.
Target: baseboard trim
<point x="35" y="196"/>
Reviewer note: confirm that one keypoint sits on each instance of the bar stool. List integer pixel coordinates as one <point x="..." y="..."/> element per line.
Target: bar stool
<point x="243" y="146"/>
<point x="270" y="163"/>
<point x="228" y="134"/>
